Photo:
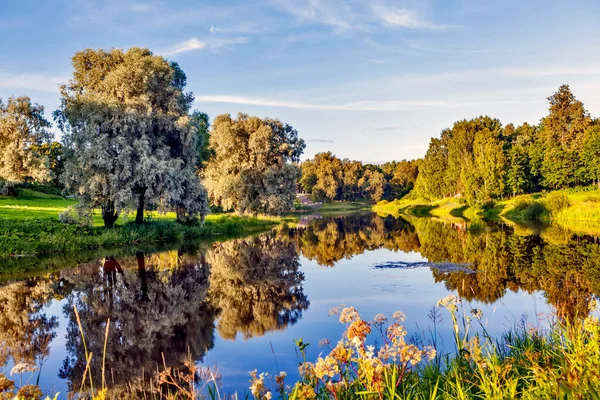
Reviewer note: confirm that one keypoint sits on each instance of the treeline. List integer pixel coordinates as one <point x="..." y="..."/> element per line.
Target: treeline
<point x="327" y="177"/>
<point x="131" y="142"/>
<point x="480" y="160"/>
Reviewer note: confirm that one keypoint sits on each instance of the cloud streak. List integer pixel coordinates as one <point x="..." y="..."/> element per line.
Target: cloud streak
<point x="391" y="105"/>
<point x="184" y="47"/>
<point x="195" y="44"/>
<point x="402" y="18"/>
<point x="37" y="82"/>
<point x="319" y="141"/>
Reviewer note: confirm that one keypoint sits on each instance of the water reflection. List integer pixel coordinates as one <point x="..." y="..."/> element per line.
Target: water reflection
<point x="179" y="302"/>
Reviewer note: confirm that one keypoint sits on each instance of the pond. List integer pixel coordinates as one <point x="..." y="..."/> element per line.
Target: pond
<point x="239" y="304"/>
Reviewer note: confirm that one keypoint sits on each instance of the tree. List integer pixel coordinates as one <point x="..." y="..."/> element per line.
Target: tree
<point x="567" y="120"/>
<point x="53" y="153"/>
<point x="518" y="176"/>
<point x="373" y="184"/>
<point x="22" y="129"/>
<point x="254" y="167"/>
<point x="129" y="140"/>
<point x="431" y="182"/>
<point x="591" y="154"/>
<point x="201" y="122"/>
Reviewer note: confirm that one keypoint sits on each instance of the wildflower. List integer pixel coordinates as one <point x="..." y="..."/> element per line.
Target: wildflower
<point x="593" y="305"/>
<point x="358" y="329"/>
<point x="257" y="383"/>
<point x="280" y="380"/>
<point x="324" y="342"/>
<point x="268" y="395"/>
<point x="431" y="353"/>
<point x="306" y="370"/>
<point x="398" y="316"/>
<point x="29" y="392"/>
<point x="21" y="368"/>
<point x="349" y="314"/>
<point x="380" y="319"/>
<point x="476" y="313"/>
<point x="326" y="367"/>
<point x="590" y="323"/>
<point x="305" y="391"/>
<point x="6" y="384"/>
<point x="449" y="302"/>
<point x="341" y="353"/>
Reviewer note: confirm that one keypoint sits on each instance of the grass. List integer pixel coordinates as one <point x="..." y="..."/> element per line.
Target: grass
<point x="29" y="226"/>
<point x="575" y="209"/>
<point x="558" y="361"/>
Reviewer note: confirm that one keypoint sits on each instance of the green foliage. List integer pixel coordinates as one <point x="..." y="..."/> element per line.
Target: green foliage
<point x="254" y="167"/>
<point x="479" y="160"/>
<point x="535" y="211"/>
<point x="328" y="178"/>
<point x="128" y="136"/>
<point x="557" y="201"/>
<point x="23" y="132"/>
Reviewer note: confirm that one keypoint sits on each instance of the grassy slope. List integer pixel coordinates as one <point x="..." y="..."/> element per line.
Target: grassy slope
<point x="29" y="226"/>
<point x="581" y="216"/>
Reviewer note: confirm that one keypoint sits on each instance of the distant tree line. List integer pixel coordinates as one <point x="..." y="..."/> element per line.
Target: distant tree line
<point x="326" y="178"/>
<point x="130" y="142"/>
<point x="480" y="160"/>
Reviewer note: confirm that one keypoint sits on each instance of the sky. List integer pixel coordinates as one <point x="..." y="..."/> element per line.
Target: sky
<point x="368" y="80"/>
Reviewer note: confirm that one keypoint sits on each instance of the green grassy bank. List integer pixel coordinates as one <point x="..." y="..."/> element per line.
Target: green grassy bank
<point x="573" y="208"/>
<point x="29" y="225"/>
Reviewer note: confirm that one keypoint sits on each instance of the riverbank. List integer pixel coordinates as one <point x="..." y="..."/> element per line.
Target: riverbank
<point x="577" y="207"/>
<point x="29" y="226"/>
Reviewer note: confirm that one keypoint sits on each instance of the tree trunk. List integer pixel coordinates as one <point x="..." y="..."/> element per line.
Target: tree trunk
<point x="139" y="216"/>
<point x="109" y="215"/>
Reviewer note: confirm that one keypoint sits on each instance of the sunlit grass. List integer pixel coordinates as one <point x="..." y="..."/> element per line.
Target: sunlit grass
<point x="30" y="226"/>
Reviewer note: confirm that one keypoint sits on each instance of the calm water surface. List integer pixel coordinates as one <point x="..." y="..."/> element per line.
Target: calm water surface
<point x="239" y="304"/>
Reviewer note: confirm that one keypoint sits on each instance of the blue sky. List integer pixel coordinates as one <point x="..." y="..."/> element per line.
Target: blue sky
<point x="368" y="80"/>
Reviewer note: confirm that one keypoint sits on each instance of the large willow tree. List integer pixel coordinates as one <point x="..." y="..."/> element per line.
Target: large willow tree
<point x="129" y="139"/>
<point x="253" y="168"/>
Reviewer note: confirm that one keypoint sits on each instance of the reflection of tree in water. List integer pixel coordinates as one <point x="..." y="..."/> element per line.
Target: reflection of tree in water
<point x="568" y="272"/>
<point x="329" y="240"/>
<point x="255" y="285"/>
<point x="154" y="312"/>
<point x="25" y="330"/>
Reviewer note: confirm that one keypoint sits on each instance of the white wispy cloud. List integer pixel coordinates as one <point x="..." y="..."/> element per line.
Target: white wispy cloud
<point x="403" y="18"/>
<point x="212" y="43"/>
<point x="367" y="105"/>
<point x="38" y="82"/>
<point x="319" y="141"/>
<point x="185" y="46"/>
<point x="347" y="15"/>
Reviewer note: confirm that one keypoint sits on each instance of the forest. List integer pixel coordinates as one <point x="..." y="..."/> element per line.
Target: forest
<point x="478" y="160"/>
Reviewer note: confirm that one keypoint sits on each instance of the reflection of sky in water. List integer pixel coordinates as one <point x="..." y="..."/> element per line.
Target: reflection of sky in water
<point x="352" y="282"/>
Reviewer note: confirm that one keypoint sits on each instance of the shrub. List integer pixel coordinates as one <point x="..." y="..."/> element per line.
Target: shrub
<point x="74" y="216"/>
<point x="7" y="188"/>
<point x="535" y="210"/>
<point x="557" y="201"/>
<point x="522" y="203"/>
<point x="488" y="205"/>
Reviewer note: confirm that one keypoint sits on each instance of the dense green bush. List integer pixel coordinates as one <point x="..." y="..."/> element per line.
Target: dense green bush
<point x="557" y="201"/>
<point x="535" y="211"/>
